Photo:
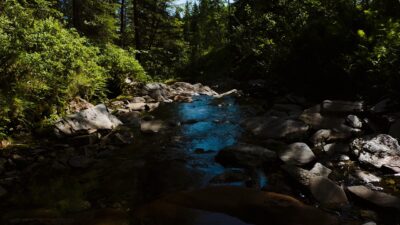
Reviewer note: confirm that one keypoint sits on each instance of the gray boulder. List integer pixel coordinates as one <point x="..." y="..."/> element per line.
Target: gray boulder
<point x="378" y="151"/>
<point x="297" y="154"/>
<point x="321" y="170"/>
<point x="87" y="121"/>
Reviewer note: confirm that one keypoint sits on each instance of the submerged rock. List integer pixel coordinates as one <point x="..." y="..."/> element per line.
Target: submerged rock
<point x="87" y="121"/>
<point x="245" y="155"/>
<point x="378" y="198"/>
<point x="378" y="151"/>
<point x="297" y="154"/>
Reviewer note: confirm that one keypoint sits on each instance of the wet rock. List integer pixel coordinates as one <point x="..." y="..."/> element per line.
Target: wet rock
<point x="378" y="151"/>
<point x="327" y="192"/>
<point x="87" y="121"/>
<point x="80" y="162"/>
<point x="151" y="127"/>
<point x="395" y="130"/>
<point x="329" y="106"/>
<point x="3" y="191"/>
<point x="273" y="127"/>
<point x="249" y="205"/>
<point x="354" y="121"/>
<point x="321" y="170"/>
<point x="378" y="198"/>
<point x="297" y="154"/>
<point x="335" y="148"/>
<point x="245" y="155"/>
<point x="366" y="176"/>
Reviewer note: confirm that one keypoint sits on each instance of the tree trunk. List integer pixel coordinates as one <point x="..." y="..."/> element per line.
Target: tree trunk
<point x="122" y="28"/>
<point x="76" y="14"/>
<point x="137" y="27"/>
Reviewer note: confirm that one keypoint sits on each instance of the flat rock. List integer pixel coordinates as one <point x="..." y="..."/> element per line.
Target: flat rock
<point x="335" y="106"/>
<point x="245" y="155"/>
<point x="87" y="121"/>
<point x="379" y="151"/>
<point x="274" y="127"/>
<point x="378" y="198"/>
<point x="297" y="154"/>
<point x="327" y="192"/>
<point x="151" y="127"/>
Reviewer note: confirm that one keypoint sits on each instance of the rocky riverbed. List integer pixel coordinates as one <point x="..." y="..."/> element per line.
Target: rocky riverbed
<point x="184" y="154"/>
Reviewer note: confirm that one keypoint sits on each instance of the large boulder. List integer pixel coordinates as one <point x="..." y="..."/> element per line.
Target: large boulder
<point x="87" y="121"/>
<point x="378" y="151"/>
<point x="297" y="154"/>
<point x="245" y="155"/>
<point x="275" y="127"/>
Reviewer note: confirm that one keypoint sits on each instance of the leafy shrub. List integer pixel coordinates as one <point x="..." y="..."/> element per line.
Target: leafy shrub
<point x="43" y="65"/>
<point x="121" y="65"/>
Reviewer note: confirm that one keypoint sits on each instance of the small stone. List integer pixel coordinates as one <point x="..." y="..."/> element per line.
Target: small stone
<point x="327" y="192"/>
<point x="297" y="154"/>
<point x="344" y="158"/>
<point x="354" y="121"/>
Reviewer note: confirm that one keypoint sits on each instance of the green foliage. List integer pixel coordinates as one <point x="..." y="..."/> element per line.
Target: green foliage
<point x="121" y="65"/>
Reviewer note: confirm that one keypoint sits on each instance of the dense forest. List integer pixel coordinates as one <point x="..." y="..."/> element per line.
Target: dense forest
<point x="286" y="112"/>
<point x="52" y="51"/>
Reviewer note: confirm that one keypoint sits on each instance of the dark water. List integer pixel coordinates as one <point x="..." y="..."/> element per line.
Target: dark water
<point x="180" y="157"/>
